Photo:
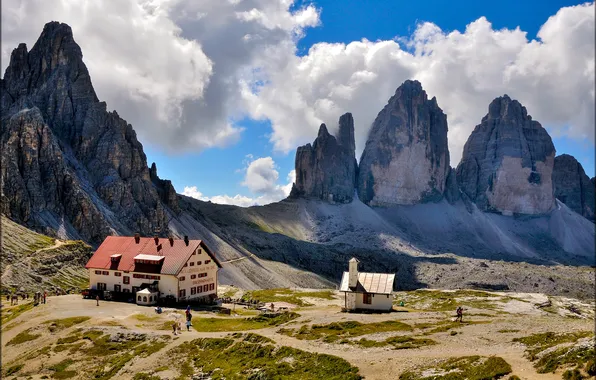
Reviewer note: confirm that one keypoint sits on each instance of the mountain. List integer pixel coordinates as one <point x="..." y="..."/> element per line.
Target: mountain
<point x="406" y="157"/>
<point x="327" y="169"/>
<point x="73" y="170"/>
<point x="508" y="161"/>
<point x="572" y="186"/>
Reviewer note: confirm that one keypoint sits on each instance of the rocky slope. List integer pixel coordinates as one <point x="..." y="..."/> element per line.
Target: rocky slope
<point x="327" y="169"/>
<point x="406" y="157"/>
<point x="572" y="186"/>
<point x="69" y="163"/>
<point x="508" y="161"/>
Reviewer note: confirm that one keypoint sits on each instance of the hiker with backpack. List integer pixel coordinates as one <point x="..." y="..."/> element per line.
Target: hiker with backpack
<point x="460" y="314"/>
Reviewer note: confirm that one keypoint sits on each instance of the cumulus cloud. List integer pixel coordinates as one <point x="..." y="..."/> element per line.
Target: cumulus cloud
<point x="552" y="76"/>
<point x="169" y="67"/>
<point x="261" y="178"/>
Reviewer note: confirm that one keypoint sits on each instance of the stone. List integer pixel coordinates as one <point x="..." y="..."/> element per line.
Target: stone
<point x="327" y="169"/>
<point x="94" y="177"/>
<point x="572" y="186"/>
<point x="165" y="189"/>
<point x="451" y="187"/>
<point x="406" y="157"/>
<point x="507" y="162"/>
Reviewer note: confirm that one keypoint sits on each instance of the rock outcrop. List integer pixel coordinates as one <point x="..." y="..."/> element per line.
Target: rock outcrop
<point x="88" y="169"/>
<point x="572" y="186"/>
<point x="327" y="169"/>
<point x="507" y="163"/>
<point x="165" y="189"/>
<point x="406" y="157"/>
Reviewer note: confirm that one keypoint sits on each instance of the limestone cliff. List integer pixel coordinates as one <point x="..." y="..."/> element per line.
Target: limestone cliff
<point x="71" y="163"/>
<point x="572" y="186"/>
<point x="327" y="169"/>
<point x="406" y="157"/>
<point x="507" y="163"/>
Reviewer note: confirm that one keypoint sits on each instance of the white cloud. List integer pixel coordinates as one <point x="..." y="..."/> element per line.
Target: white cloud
<point x="261" y="177"/>
<point x="169" y="67"/>
<point x="552" y="76"/>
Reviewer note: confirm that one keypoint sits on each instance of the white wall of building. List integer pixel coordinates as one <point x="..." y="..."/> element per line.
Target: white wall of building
<point x="208" y="271"/>
<point x="378" y="301"/>
<point x="168" y="284"/>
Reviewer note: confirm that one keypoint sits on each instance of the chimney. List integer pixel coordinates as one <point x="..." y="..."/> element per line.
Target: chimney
<point x="353" y="275"/>
<point x="171" y="239"/>
<point x="186" y="240"/>
<point x="159" y="248"/>
<point x="156" y="239"/>
<point x="137" y="238"/>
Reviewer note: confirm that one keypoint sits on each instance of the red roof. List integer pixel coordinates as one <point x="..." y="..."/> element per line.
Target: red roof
<point x="175" y="256"/>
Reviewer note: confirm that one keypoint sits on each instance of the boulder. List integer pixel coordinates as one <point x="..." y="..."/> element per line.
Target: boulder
<point x="406" y="157"/>
<point x="508" y="161"/>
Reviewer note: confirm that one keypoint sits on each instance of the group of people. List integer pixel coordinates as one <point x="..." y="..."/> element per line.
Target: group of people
<point x="176" y="325"/>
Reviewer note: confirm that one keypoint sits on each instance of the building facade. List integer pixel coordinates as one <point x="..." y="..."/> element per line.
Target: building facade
<point x="366" y="291"/>
<point x="184" y="269"/>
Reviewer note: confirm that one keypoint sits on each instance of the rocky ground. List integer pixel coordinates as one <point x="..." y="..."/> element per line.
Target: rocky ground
<point x="70" y="337"/>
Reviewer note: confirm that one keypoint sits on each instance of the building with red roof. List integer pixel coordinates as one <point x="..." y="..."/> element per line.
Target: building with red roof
<point x="182" y="268"/>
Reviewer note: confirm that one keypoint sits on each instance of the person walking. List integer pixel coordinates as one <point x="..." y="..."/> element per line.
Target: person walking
<point x="175" y="327"/>
<point x="97" y="299"/>
<point x="45" y="294"/>
<point x="188" y="321"/>
<point x="460" y="314"/>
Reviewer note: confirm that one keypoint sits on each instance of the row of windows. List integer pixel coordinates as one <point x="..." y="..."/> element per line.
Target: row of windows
<point x="154" y="262"/>
<point x="147" y="276"/>
<point x="193" y="276"/>
<point x="103" y="273"/>
<point x="192" y="263"/>
<point x="197" y="289"/>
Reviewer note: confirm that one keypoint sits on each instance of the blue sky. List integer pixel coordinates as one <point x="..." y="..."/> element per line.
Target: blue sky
<point x="218" y="171"/>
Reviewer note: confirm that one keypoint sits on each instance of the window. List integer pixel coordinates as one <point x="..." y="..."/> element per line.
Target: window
<point x="193" y="291"/>
<point x="139" y="298"/>
<point x="101" y="286"/>
<point x="181" y="278"/>
<point x="126" y="290"/>
<point x="199" y="251"/>
<point x="182" y="292"/>
<point x="199" y="262"/>
<point x="192" y="264"/>
<point x="207" y="262"/>
<point x="185" y="265"/>
<point x="118" y="274"/>
<point x="202" y="275"/>
<point x="97" y="272"/>
<point x="144" y="298"/>
<point x="126" y="280"/>
<point x="212" y="286"/>
<point x="193" y="276"/>
<point x="366" y="298"/>
<point x="105" y="273"/>
<point x="117" y="288"/>
<point x="200" y="289"/>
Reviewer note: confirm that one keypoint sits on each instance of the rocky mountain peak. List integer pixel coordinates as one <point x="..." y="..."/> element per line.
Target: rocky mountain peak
<point x="572" y="186"/>
<point x="406" y="157"/>
<point x="327" y="169"/>
<point x="508" y="161"/>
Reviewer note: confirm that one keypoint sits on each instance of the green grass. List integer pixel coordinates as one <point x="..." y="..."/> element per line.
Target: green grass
<point x="286" y="295"/>
<point x="398" y="342"/>
<point x="22" y="337"/>
<point x="11" y="313"/>
<point x="537" y="343"/>
<point x="235" y="359"/>
<point x="230" y="292"/>
<point x="434" y="300"/>
<point x="505" y="331"/>
<point x="334" y="331"/>
<point x="13" y="369"/>
<point x="61" y="324"/>
<point x="469" y="367"/>
<point x="251" y="338"/>
<point x="240" y="324"/>
<point x="145" y="318"/>
<point x="145" y="376"/>
<point x="60" y="371"/>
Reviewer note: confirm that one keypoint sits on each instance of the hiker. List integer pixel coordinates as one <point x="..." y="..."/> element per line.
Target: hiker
<point x="174" y="327"/>
<point x="272" y="307"/>
<point x="97" y="299"/>
<point x="460" y="314"/>
<point x="188" y="324"/>
<point x="45" y="294"/>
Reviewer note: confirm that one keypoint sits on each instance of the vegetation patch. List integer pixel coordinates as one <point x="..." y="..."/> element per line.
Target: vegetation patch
<point x="22" y="337"/>
<point x="11" y="313"/>
<point x="334" y="331"/>
<point x="537" y="343"/>
<point x="61" y="324"/>
<point x="444" y="326"/>
<point x="60" y="371"/>
<point x="240" y="324"/>
<point x="13" y="369"/>
<point x="468" y="367"/>
<point x="505" y="331"/>
<point x="145" y="318"/>
<point x="286" y="295"/>
<point x="232" y="359"/>
<point x="436" y="300"/>
<point x="145" y="376"/>
<point x="398" y="342"/>
<point x="251" y="338"/>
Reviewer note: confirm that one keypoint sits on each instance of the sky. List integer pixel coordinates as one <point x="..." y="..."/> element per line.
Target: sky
<point x="221" y="92"/>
